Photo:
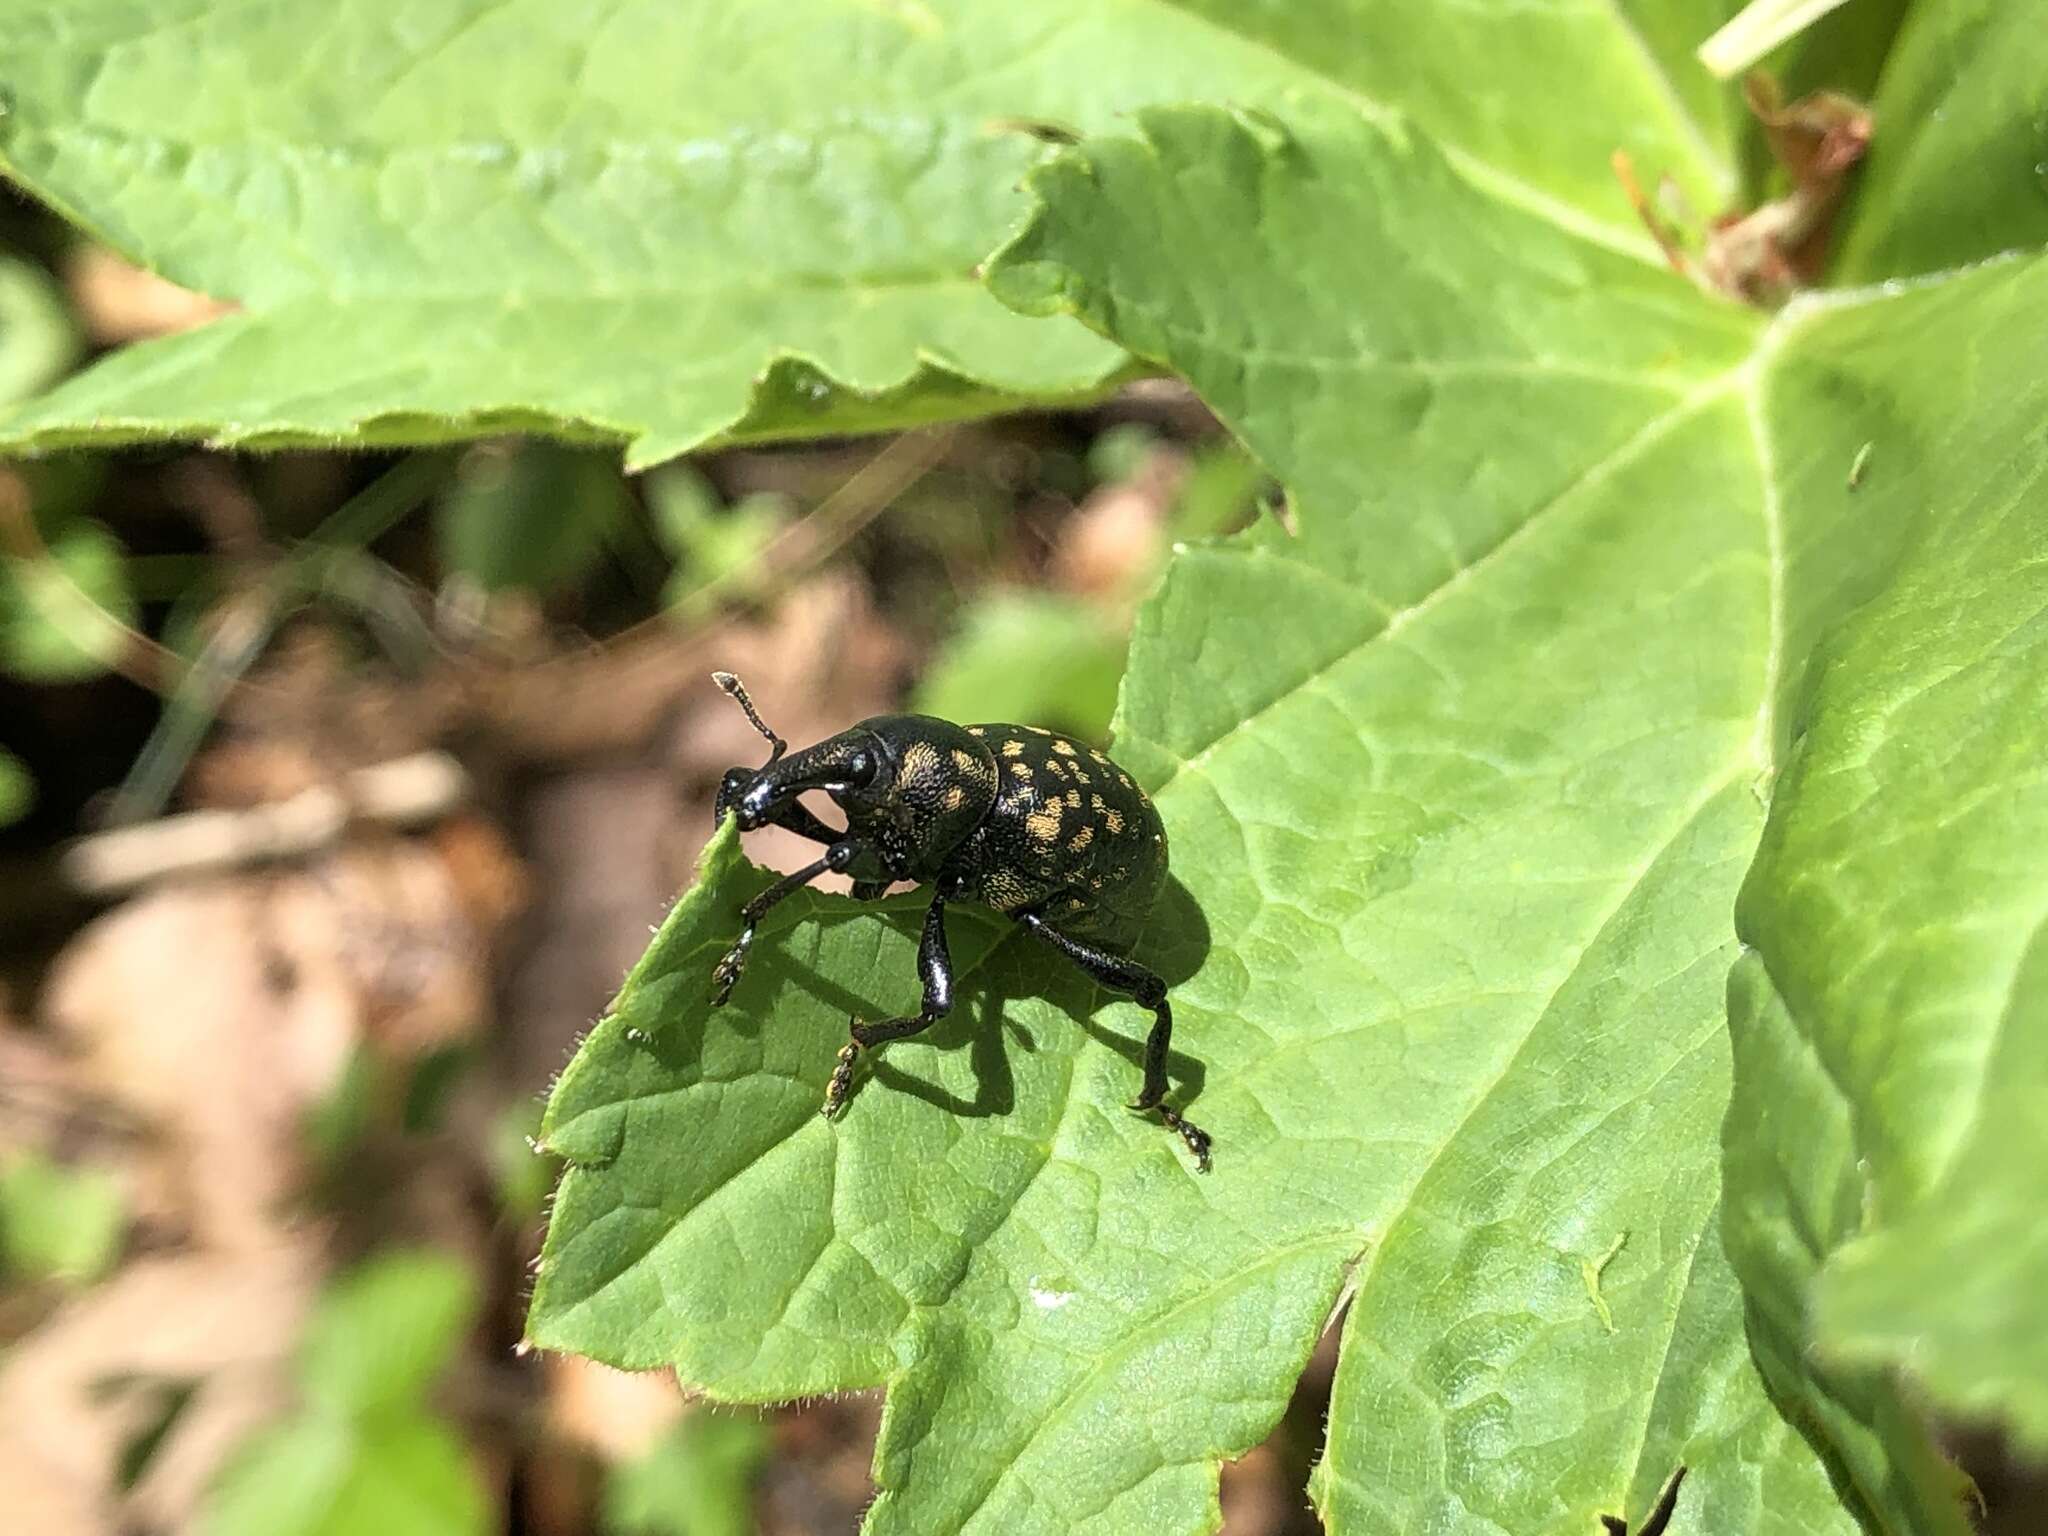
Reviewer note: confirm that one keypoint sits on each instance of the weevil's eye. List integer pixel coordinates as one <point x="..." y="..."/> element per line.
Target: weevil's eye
<point x="860" y="769"/>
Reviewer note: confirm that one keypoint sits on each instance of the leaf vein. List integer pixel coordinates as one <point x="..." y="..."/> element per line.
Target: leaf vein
<point x="1644" y="438"/>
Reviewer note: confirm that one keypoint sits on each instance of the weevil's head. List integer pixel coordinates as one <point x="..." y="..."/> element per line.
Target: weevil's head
<point x="912" y="787"/>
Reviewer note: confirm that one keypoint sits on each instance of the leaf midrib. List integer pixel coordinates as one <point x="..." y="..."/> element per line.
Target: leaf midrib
<point x="1645" y="437"/>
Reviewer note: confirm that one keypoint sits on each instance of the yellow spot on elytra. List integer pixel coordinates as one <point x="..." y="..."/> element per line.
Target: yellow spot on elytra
<point x="1064" y="748"/>
<point x="1013" y="748"/>
<point x="1074" y="798"/>
<point x="977" y="730"/>
<point x="920" y="761"/>
<point x="1038" y="730"/>
<point x="1082" y="774"/>
<point x="1044" y="826"/>
<point x="1081" y="839"/>
<point x="1057" y="768"/>
<point x="955" y="798"/>
<point x="964" y="761"/>
<point x="1123" y="778"/>
<point x="1022" y="771"/>
<point x="1114" y="820"/>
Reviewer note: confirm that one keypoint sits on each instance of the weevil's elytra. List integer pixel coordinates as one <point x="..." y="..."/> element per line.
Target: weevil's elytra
<point x="995" y="814"/>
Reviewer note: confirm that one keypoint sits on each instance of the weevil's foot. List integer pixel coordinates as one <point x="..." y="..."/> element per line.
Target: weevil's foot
<point x="1196" y="1139"/>
<point x="726" y="974"/>
<point x="842" y="1081"/>
<point x="1193" y="1135"/>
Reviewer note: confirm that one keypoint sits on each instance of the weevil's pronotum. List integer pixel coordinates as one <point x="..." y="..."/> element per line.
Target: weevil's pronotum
<point x="1044" y="829"/>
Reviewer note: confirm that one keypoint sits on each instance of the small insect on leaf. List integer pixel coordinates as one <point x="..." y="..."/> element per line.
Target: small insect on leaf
<point x="925" y="805"/>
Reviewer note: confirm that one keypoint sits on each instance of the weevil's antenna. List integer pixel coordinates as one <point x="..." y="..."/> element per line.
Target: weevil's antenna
<point x="733" y="688"/>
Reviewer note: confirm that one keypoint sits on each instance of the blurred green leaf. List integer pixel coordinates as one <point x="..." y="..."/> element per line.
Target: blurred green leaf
<point x="522" y="1172"/>
<point x="383" y="1332"/>
<point x="697" y="1480"/>
<point x="398" y="1473"/>
<point x="681" y="501"/>
<point x="1220" y="493"/>
<point x="717" y="548"/>
<point x="337" y="1121"/>
<point x="364" y="1456"/>
<point x="63" y="614"/>
<point x="17" y="789"/>
<point x="1037" y="658"/>
<point x="59" y="1222"/>
<point x="37" y="341"/>
<point x="1119" y="453"/>
<point x="530" y="515"/>
<point x="431" y="1081"/>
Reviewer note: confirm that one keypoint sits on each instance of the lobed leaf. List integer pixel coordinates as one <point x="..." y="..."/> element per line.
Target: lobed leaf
<point x="1478" y="820"/>
<point x="1889" y="1020"/>
<point x="1579" y="549"/>
<point x="663" y="224"/>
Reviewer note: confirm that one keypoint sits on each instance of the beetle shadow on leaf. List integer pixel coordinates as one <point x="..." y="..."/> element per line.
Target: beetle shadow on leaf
<point x="1175" y="944"/>
<point x="980" y="1026"/>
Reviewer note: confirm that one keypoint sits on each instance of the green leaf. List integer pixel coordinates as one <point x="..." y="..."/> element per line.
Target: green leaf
<point x="1750" y="520"/>
<point x="64" y="613"/>
<point x="1039" y="657"/>
<point x="1220" y="494"/>
<point x="364" y="1457"/>
<point x="37" y="342"/>
<point x="383" y="1333"/>
<point x="718" y="548"/>
<point x="17" y="789"/>
<point x="1958" y="165"/>
<point x="399" y="1474"/>
<point x="530" y="515"/>
<point x="1462" y="783"/>
<point x="1890" y="1024"/>
<point x="58" y="1223"/>
<point x="697" y="1480"/>
<point x="1475" y="841"/>
<point x="678" y="223"/>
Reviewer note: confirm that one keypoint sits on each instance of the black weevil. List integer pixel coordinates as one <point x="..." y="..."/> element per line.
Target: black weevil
<point x="1037" y="826"/>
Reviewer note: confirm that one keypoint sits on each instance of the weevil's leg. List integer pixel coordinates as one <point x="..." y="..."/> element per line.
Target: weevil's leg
<point x="1148" y="991"/>
<point x="726" y="973"/>
<point x="797" y="818"/>
<point x="935" y="967"/>
<point x="869" y="890"/>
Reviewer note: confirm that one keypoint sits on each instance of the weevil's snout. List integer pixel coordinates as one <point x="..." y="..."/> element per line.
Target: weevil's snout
<point x="756" y="798"/>
<point x="847" y="765"/>
<point x="731" y="790"/>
